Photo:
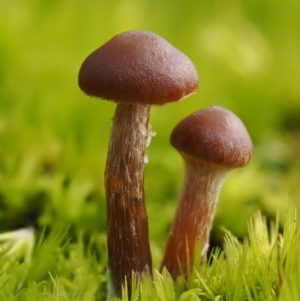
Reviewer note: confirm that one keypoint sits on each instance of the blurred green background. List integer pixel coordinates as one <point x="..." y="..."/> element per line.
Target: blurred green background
<point x="53" y="138"/>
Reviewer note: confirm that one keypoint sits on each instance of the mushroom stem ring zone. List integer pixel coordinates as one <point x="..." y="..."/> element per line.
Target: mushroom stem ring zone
<point x="135" y="69"/>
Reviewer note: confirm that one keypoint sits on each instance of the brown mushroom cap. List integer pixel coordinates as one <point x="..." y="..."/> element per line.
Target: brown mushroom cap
<point x="215" y="135"/>
<point x="138" y="67"/>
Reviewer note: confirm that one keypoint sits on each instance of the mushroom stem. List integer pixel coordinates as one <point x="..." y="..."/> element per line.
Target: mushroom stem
<point x="194" y="215"/>
<point x="127" y="223"/>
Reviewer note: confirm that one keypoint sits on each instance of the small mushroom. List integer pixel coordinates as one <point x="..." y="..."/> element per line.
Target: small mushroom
<point x="211" y="141"/>
<point x="135" y="69"/>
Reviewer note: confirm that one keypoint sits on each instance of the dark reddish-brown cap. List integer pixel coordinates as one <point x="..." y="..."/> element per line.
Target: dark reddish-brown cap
<point x="214" y="135"/>
<point x="138" y="67"/>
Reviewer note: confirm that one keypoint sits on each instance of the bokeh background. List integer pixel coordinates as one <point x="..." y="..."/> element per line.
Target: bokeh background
<point x="53" y="138"/>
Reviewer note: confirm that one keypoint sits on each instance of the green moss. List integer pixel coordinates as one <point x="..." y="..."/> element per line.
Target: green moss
<point x="53" y="145"/>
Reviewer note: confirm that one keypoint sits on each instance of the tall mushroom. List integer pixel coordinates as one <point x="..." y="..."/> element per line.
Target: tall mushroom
<point x="135" y="69"/>
<point x="211" y="141"/>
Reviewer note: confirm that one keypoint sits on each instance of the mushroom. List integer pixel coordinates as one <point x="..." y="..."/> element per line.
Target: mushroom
<point x="211" y="141"/>
<point x="135" y="69"/>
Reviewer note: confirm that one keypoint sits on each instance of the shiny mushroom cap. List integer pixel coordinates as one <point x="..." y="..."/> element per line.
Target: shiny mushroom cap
<point x="138" y="67"/>
<point x="213" y="135"/>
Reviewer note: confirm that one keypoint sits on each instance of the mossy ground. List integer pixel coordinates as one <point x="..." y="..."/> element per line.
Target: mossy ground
<point x="53" y="145"/>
